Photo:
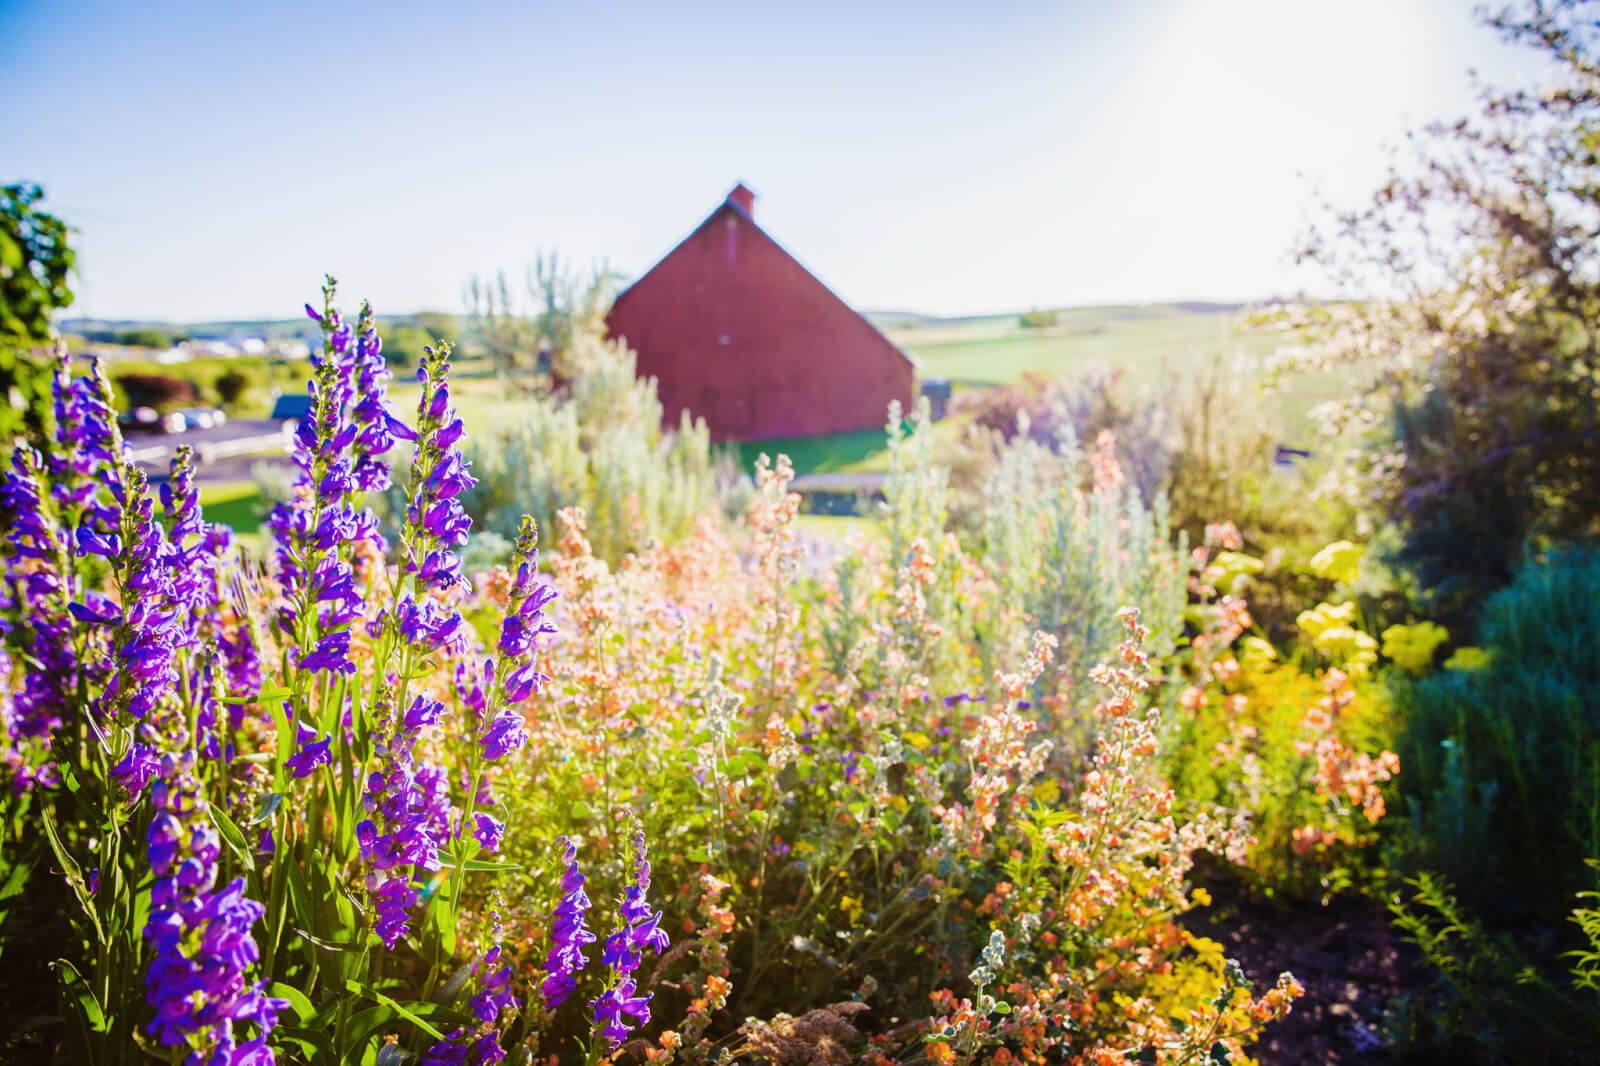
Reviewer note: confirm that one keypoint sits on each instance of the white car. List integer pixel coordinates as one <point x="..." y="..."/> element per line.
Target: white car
<point x="202" y="417"/>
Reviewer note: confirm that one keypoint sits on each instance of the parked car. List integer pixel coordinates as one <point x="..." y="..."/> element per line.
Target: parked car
<point x="149" y="420"/>
<point x="202" y="417"/>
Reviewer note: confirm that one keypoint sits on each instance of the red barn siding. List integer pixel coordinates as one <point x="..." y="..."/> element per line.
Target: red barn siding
<point x="737" y="332"/>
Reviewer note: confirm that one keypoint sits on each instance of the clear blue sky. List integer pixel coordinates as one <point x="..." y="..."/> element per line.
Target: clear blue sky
<point x="947" y="158"/>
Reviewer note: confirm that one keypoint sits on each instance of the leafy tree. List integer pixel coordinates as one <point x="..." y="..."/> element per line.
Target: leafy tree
<point x="35" y="261"/>
<point x="231" y="384"/>
<point x="403" y="342"/>
<point x="145" y="337"/>
<point x="1478" y="336"/>
<point x="156" y="390"/>
<point x="531" y="343"/>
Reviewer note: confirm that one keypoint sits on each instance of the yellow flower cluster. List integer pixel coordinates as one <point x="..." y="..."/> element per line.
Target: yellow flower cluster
<point x="1229" y="571"/>
<point x="1412" y="647"/>
<point x="1339" y="561"/>
<point x="1331" y="628"/>
<point x="1469" y="659"/>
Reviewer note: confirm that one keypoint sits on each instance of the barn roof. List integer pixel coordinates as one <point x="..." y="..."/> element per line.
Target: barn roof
<point x="740" y="200"/>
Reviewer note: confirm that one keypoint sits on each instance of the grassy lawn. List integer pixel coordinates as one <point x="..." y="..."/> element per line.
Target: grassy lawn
<point x="1148" y="346"/>
<point x="836" y="527"/>
<point x="234" y="503"/>
<point x="859" y="449"/>
<point x="1153" y="345"/>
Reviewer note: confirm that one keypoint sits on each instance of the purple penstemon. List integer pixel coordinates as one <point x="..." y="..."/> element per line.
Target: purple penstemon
<point x="436" y="523"/>
<point x="492" y="1005"/>
<point x="61" y="629"/>
<point x="38" y="584"/>
<point x="569" y="933"/>
<point x="409" y="816"/>
<point x="639" y="928"/>
<point x="517" y="675"/>
<point x="337" y="451"/>
<point x="200" y="935"/>
<point x="140" y="698"/>
<point x="403" y="829"/>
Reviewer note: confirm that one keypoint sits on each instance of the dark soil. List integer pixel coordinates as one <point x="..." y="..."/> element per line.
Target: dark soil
<point x="1353" y="964"/>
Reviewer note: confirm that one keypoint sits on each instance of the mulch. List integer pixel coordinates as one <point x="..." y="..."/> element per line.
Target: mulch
<point x="1354" y="964"/>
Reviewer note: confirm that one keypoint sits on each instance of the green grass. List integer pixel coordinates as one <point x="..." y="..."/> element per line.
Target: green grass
<point x="234" y="503"/>
<point x="858" y="449"/>
<point x="836" y="527"/>
<point x="1148" y="351"/>
<point x="1153" y="345"/>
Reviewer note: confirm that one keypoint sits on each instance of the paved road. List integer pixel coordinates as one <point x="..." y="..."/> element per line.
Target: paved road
<point x="845" y="483"/>
<point x="223" y="454"/>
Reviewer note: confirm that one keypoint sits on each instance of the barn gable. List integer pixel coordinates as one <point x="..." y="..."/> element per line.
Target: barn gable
<point x="736" y="331"/>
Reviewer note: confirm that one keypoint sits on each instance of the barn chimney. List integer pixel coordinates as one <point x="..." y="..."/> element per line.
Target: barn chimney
<point x="743" y="198"/>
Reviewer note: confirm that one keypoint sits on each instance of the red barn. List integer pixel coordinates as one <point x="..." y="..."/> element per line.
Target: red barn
<point x="739" y="333"/>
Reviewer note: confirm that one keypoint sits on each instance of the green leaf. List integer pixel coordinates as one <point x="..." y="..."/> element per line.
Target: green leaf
<point x="267" y="808"/>
<point x="83" y="1009"/>
<point x="298" y="1001"/>
<point x="1219" y="1054"/>
<point x="74" y="873"/>
<point x="328" y="945"/>
<point x="81" y="996"/>
<point x="318" y="1046"/>
<point x="363" y="1026"/>
<point x="232" y="834"/>
<point x="401" y="1009"/>
<point x="481" y="865"/>
<point x="447" y="992"/>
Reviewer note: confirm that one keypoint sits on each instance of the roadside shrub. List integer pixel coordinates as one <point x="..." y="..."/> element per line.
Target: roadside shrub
<point x="1503" y="762"/>
<point x="231" y="386"/>
<point x="156" y="390"/>
<point x="145" y="337"/>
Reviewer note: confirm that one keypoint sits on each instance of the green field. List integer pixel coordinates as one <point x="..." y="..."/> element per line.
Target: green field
<point x="1150" y="343"/>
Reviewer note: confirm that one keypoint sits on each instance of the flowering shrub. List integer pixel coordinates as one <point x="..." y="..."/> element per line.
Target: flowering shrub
<point x="1411" y="647"/>
<point x="1339" y="561"/>
<point x="766" y="807"/>
<point x="1332" y="630"/>
<point x="1294" y="759"/>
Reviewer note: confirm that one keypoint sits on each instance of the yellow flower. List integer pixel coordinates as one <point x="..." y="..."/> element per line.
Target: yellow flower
<point x="1323" y="617"/>
<point x="1234" y="567"/>
<point x="1351" y="648"/>
<point x="1469" y="659"/>
<point x="851" y="907"/>
<point x="1255" y="652"/>
<point x="1412" y="647"/>
<point x="1340" y="561"/>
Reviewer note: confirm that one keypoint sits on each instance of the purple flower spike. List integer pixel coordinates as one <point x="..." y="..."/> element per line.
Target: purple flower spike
<point x="569" y="934"/>
<point x="640" y="928"/>
<point x="200" y="938"/>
